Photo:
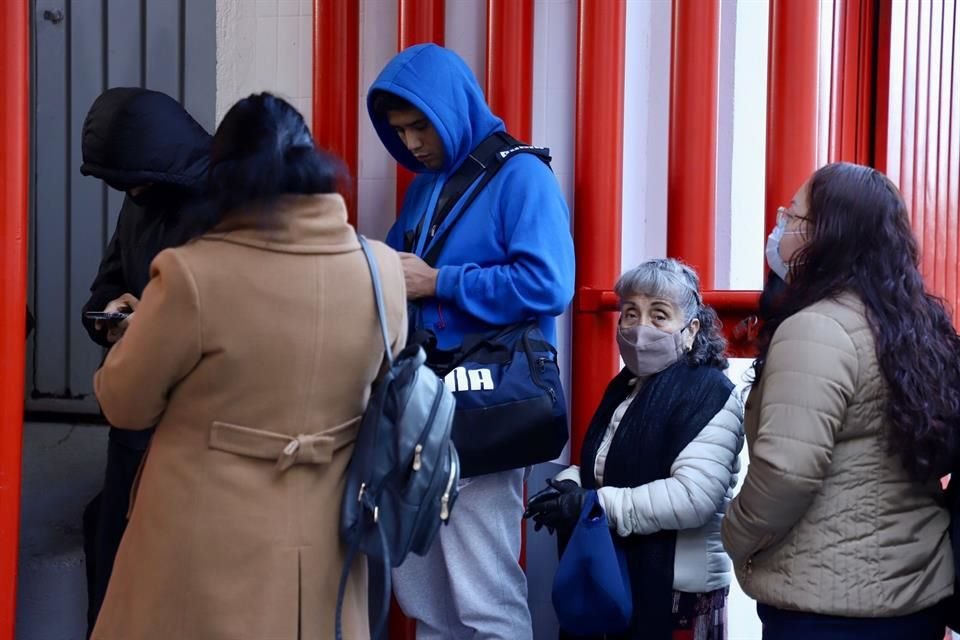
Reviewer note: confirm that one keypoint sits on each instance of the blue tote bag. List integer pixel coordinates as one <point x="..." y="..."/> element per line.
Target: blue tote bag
<point x="591" y="590"/>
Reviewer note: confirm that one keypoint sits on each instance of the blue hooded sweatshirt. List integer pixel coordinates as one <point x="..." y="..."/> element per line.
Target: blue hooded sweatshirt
<point x="509" y="256"/>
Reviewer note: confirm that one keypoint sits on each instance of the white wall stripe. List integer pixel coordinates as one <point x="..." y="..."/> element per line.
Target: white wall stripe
<point x="646" y="132"/>
<point x="465" y="31"/>
<point x="824" y="79"/>
<point x="376" y="180"/>
<point x="554" y="104"/>
<point x="725" y="103"/>
<point x="748" y="149"/>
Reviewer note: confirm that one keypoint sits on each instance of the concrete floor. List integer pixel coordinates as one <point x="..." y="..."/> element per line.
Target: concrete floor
<point x="62" y="470"/>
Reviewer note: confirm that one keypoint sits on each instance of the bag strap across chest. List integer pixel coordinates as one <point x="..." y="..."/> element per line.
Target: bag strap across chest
<point x="482" y="164"/>
<point x="378" y="297"/>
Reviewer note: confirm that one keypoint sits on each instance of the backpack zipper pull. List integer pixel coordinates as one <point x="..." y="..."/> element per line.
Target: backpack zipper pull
<point x="445" y="498"/>
<point x="445" y="507"/>
<point x="417" y="461"/>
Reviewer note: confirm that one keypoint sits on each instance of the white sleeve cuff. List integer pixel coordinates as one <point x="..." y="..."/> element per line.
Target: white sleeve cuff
<point x="570" y="473"/>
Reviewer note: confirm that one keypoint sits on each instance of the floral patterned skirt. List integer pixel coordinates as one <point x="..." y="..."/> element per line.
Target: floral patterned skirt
<point x="700" y="616"/>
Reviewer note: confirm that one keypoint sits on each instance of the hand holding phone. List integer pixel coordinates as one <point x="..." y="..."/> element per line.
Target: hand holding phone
<point x="108" y="317"/>
<point x="117" y="316"/>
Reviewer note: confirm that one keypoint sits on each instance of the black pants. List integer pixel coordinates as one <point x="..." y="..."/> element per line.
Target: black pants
<point x="779" y="624"/>
<point x="104" y="521"/>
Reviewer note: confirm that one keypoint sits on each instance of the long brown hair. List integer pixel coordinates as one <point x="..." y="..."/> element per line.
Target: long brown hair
<point x="860" y="241"/>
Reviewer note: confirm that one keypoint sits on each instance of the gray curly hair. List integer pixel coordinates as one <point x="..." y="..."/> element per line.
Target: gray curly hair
<point x="673" y="280"/>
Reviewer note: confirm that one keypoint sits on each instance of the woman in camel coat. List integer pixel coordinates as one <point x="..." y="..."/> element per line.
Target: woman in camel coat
<point x="253" y="351"/>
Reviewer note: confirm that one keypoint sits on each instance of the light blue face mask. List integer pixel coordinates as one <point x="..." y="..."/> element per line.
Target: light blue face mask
<point x="774" y="261"/>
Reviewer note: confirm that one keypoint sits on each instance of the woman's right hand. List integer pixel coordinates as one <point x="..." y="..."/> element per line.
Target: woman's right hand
<point x="115" y="330"/>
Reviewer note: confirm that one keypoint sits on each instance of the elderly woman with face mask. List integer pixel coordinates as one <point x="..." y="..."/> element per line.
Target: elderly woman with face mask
<point x="662" y="453"/>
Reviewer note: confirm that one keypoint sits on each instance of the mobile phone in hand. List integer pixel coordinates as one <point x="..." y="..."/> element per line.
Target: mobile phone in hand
<point x="106" y="316"/>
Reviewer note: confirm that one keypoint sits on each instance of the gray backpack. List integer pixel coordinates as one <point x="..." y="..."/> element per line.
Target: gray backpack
<point x="402" y="479"/>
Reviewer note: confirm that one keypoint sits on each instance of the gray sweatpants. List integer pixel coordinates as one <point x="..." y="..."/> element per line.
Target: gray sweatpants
<point x="469" y="585"/>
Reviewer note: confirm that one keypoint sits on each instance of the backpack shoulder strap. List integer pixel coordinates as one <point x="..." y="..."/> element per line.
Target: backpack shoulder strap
<point x="483" y="162"/>
<point x="377" y="295"/>
<point x="379" y="622"/>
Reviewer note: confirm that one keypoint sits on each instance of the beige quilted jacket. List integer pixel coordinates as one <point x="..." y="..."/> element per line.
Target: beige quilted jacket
<point x="827" y="522"/>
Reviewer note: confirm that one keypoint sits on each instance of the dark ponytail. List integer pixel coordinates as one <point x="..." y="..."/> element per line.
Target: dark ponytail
<point x="263" y="149"/>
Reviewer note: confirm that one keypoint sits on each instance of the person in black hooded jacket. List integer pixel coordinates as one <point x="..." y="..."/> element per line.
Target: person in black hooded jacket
<point x="145" y="144"/>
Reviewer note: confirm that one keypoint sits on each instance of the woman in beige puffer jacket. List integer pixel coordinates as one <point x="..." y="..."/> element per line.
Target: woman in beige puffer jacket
<point x="840" y="530"/>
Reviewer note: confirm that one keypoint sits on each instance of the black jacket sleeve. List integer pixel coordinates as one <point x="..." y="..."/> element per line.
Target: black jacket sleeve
<point x="109" y="285"/>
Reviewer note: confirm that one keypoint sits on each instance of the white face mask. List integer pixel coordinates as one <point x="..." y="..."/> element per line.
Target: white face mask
<point x="774" y="261"/>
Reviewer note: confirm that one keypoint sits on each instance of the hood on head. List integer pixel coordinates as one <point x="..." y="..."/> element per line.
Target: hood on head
<point x="135" y="136"/>
<point x="439" y="83"/>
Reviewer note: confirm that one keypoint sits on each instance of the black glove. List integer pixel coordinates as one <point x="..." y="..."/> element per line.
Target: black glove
<point x="557" y="507"/>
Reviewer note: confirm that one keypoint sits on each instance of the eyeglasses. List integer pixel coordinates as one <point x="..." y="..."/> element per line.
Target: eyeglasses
<point x="784" y="216"/>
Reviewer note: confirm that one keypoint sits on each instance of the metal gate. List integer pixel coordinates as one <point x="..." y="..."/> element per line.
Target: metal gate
<point x="80" y="48"/>
<point x="923" y="145"/>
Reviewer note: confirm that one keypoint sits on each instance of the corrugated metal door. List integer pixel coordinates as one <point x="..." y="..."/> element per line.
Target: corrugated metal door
<point x="849" y="80"/>
<point x="890" y="97"/>
<point x="80" y="48"/>
<point x="923" y="149"/>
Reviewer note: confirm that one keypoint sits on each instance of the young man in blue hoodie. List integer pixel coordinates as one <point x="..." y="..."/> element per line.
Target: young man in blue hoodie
<point x="507" y="258"/>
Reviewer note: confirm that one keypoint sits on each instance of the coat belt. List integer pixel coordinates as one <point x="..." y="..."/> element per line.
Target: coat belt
<point x="287" y="450"/>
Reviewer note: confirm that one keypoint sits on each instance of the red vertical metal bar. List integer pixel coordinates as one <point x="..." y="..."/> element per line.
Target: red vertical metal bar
<point x="509" y="81"/>
<point x="791" y="101"/>
<point x="418" y="21"/>
<point x="853" y="102"/>
<point x="336" y="85"/>
<point x="866" y="82"/>
<point x="692" y="172"/>
<point x="845" y="76"/>
<point x="14" y="189"/>
<point x="598" y="201"/>
<point x="881" y="133"/>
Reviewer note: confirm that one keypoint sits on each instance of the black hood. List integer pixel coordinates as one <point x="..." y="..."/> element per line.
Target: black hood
<point x="135" y="136"/>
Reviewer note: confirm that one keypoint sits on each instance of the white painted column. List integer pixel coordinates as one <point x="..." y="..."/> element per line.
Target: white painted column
<point x="646" y="132"/>
<point x="265" y="45"/>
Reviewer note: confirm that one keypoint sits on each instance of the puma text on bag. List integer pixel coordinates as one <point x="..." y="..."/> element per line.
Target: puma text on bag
<point x="402" y="479"/>
<point x="511" y="411"/>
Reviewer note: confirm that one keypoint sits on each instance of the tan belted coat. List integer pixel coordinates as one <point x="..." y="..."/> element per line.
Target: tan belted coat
<point x="253" y="351"/>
